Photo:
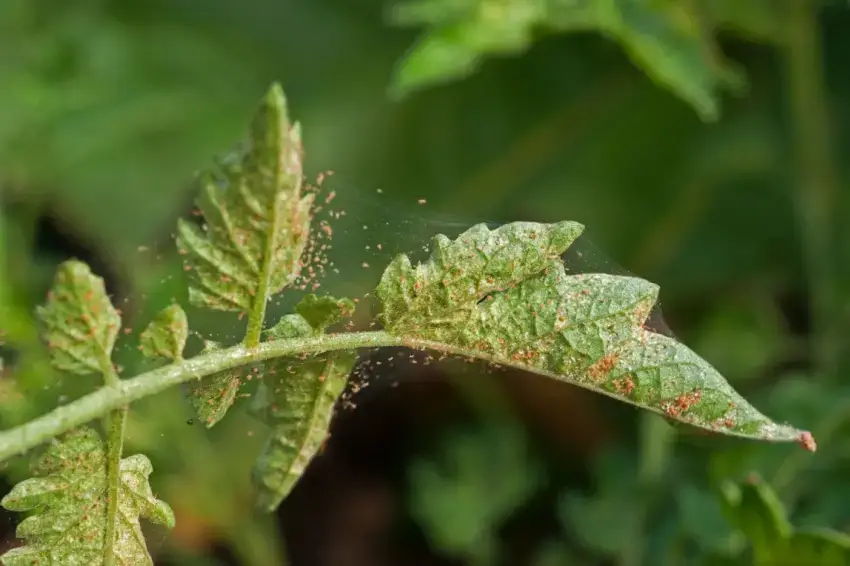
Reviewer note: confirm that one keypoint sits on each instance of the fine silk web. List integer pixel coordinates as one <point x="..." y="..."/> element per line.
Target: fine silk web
<point x="363" y="230"/>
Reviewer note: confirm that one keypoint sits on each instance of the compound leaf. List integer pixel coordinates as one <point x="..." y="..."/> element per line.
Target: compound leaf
<point x="166" y="335"/>
<point x="503" y="296"/>
<point x="297" y="399"/>
<point x="257" y="221"/>
<point x="80" y="323"/>
<point x="68" y="500"/>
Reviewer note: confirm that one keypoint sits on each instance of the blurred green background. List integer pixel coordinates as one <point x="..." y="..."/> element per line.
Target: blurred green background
<point x="721" y="178"/>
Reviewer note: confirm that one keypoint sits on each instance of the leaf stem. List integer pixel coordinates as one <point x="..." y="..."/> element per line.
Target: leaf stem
<point x="111" y="398"/>
<point x="58" y="421"/>
<point x="114" y="425"/>
<point x="115" y="444"/>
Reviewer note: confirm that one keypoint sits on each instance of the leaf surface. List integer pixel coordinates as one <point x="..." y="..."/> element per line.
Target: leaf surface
<point x="257" y="221"/>
<point x="503" y="296"/>
<point x="297" y="400"/>
<point x="213" y="396"/>
<point x="67" y="499"/>
<point x="80" y="323"/>
<point x="165" y="337"/>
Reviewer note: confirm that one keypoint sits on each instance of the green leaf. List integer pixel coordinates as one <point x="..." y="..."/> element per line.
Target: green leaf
<point x="462" y="35"/>
<point x="80" y="323"/>
<point x="300" y="401"/>
<point x="165" y="337"/>
<point x="672" y="45"/>
<point x="462" y="495"/>
<point x="68" y="500"/>
<point x="322" y="312"/>
<point x="755" y="509"/>
<point x="672" y="41"/>
<point x="213" y="396"/>
<point x="257" y="221"/>
<point x="607" y="519"/>
<point x="297" y="398"/>
<point x="503" y="296"/>
<point x="823" y="547"/>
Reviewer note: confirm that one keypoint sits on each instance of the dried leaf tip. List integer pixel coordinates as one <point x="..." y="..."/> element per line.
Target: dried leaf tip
<point x="807" y="441"/>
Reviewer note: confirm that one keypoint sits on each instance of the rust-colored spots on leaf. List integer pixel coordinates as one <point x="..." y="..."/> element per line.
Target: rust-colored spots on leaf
<point x="602" y="367"/>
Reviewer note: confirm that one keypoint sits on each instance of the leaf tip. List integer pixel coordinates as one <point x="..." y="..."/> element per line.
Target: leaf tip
<point x="275" y="97"/>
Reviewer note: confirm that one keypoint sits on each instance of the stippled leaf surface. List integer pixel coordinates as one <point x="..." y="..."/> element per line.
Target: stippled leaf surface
<point x="67" y="499"/>
<point x="257" y="221"/>
<point x="80" y="323"/>
<point x="165" y="337"/>
<point x="503" y="295"/>
<point x="212" y="397"/>
<point x="672" y="41"/>
<point x="322" y="312"/>
<point x="297" y="400"/>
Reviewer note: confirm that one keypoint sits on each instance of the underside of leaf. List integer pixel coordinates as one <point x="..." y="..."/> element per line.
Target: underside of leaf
<point x="213" y="396"/>
<point x="257" y="221"/>
<point x="80" y="323"/>
<point x="67" y="499"/>
<point x="297" y="399"/>
<point x="301" y="396"/>
<point x="503" y="296"/>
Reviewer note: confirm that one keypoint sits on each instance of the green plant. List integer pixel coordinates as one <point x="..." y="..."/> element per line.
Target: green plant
<point x="674" y="42"/>
<point x="497" y="295"/>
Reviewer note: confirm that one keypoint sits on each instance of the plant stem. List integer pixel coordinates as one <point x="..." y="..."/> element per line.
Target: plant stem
<point x="125" y="391"/>
<point x="110" y="398"/>
<point x="817" y="184"/>
<point x="115" y="445"/>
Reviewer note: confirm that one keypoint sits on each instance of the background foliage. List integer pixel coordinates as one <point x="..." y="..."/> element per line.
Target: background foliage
<point x="699" y="141"/>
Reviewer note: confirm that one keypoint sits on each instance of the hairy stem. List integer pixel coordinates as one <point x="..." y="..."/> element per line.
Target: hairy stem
<point x="115" y="444"/>
<point x="114" y="425"/>
<point x="125" y="391"/>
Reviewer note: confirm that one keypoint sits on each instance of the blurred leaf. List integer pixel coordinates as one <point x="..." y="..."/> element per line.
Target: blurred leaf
<point x="671" y="40"/>
<point x="96" y="100"/>
<point x="701" y="517"/>
<point x="80" y="322"/>
<point x="461" y="496"/>
<point x="823" y="547"/>
<point x="607" y="520"/>
<point x="165" y="337"/>
<point x="68" y="498"/>
<point x="755" y="509"/>
<point x="503" y="295"/>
